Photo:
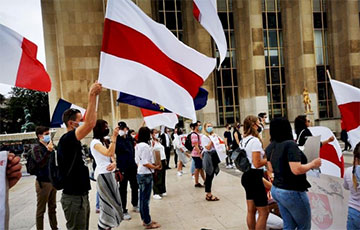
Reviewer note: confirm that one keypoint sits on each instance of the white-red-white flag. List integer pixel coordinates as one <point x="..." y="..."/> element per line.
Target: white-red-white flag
<point x="331" y="154"/>
<point x="154" y="119"/>
<point x="18" y="64"/>
<point x="348" y="100"/>
<point x="143" y="58"/>
<point x="205" y="11"/>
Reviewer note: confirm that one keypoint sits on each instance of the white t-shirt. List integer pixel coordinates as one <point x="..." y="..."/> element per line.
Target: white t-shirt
<point x="354" y="199"/>
<point x="159" y="147"/>
<point x="205" y="140"/>
<point x="143" y="155"/>
<point x="254" y="145"/>
<point x="101" y="160"/>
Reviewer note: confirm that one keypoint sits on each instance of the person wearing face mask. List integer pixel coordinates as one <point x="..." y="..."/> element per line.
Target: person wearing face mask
<point x="45" y="192"/>
<point x="111" y="210"/>
<point x="236" y="136"/>
<point x="256" y="197"/>
<point x="159" y="188"/>
<point x="210" y="160"/>
<point x="125" y="158"/>
<point x="75" y="195"/>
<point x="352" y="183"/>
<point x="166" y="142"/>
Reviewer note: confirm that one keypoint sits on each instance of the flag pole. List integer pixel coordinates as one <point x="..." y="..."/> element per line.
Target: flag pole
<point x="328" y="73"/>
<point x="97" y="103"/>
<point x="112" y="107"/>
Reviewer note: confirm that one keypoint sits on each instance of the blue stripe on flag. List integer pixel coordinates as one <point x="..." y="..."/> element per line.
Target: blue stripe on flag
<point x="200" y="101"/>
<point x="56" y="120"/>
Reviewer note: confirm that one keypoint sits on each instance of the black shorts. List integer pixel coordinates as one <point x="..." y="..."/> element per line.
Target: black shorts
<point x="254" y="187"/>
<point x="198" y="162"/>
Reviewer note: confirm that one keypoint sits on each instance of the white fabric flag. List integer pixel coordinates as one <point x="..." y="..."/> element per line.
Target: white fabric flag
<point x="205" y="11"/>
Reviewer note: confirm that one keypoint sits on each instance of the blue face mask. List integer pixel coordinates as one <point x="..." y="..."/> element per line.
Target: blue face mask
<point x="200" y="128"/>
<point x="209" y="129"/>
<point x="46" y="138"/>
<point x="357" y="173"/>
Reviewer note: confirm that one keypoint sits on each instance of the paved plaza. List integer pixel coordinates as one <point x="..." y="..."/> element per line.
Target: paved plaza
<point x="185" y="207"/>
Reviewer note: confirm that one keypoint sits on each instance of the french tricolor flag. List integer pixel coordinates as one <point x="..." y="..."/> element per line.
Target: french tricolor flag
<point x="348" y="100"/>
<point x="143" y="58"/>
<point x="61" y="107"/>
<point x="154" y="119"/>
<point x="18" y="64"/>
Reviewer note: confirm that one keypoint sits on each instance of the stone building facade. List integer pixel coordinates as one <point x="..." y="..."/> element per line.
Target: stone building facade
<point x="276" y="48"/>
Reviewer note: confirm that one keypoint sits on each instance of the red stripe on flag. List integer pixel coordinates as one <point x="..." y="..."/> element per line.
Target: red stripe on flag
<point x="328" y="152"/>
<point x="350" y="113"/>
<point x="124" y="42"/>
<point x="196" y="12"/>
<point x="147" y="112"/>
<point x="31" y="73"/>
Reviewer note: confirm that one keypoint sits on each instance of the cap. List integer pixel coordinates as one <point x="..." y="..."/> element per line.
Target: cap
<point x="122" y="125"/>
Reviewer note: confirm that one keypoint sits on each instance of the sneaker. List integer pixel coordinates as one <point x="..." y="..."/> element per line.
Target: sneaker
<point x="157" y="197"/>
<point x="183" y="172"/>
<point x="127" y="216"/>
<point x="97" y="211"/>
<point x="233" y="166"/>
<point x="228" y="166"/>
<point x="198" y="185"/>
<point x="164" y="194"/>
<point x="179" y="173"/>
<point x="136" y="209"/>
<point x="193" y="177"/>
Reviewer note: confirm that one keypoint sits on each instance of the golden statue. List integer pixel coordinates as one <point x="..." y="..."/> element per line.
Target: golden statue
<point x="307" y="101"/>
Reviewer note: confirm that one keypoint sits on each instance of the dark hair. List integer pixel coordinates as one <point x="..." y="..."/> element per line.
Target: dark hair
<point x="179" y="131"/>
<point x="144" y="135"/>
<point x="98" y="130"/>
<point x="40" y="130"/>
<point x="300" y="124"/>
<point x="356" y="156"/>
<point x="280" y="129"/>
<point x="152" y="131"/>
<point x="235" y="125"/>
<point x="70" y="115"/>
<point x="262" y="115"/>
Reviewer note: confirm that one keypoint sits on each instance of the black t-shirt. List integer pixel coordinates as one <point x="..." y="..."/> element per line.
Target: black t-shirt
<point x="280" y="154"/>
<point x="78" y="182"/>
<point x="303" y="136"/>
<point x="234" y="143"/>
<point x="227" y="135"/>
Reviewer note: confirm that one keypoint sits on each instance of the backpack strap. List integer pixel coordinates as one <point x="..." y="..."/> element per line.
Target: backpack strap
<point x="298" y="138"/>
<point x="246" y="142"/>
<point x="71" y="167"/>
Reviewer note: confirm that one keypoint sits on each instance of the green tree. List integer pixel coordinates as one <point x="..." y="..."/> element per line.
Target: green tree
<point x="12" y="114"/>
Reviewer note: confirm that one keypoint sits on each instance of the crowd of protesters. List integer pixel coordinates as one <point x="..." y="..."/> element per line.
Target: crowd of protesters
<point x="277" y="173"/>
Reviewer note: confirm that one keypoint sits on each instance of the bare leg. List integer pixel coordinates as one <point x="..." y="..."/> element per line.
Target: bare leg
<point x="197" y="176"/>
<point x="250" y="217"/>
<point x="263" y="215"/>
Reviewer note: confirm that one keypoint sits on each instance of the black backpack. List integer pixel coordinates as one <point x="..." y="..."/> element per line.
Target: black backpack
<point x="240" y="158"/>
<point x="56" y="172"/>
<point x="188" y="144"/>
<point x="32" y="166"/>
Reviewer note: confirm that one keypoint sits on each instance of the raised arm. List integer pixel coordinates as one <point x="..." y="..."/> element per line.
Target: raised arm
<point x="90" y="119"/>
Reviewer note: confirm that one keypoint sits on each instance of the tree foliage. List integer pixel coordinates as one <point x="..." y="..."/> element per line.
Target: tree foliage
<point x="12" y="112"/>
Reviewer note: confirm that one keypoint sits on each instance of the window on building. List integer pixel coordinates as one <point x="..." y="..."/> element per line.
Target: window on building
<point x="226" y="78"/>
<point x="170" y="15"/>
<point x="274" y="58"/>
<point x="324" y="93"/>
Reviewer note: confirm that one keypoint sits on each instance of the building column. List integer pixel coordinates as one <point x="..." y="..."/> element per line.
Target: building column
<point x="299" y="55"/>
<point x="250" y="57"/>
<point x="196" y="36"/>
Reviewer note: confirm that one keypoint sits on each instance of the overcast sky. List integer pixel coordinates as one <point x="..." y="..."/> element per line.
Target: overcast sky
<point x="23" y="16"/>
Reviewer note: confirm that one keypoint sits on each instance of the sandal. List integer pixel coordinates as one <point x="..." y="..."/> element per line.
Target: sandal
<point x="153" y="225"/>
<point x="211" y="198"/>
<point x="154" y="222"/>
<point x="198" y="185"/>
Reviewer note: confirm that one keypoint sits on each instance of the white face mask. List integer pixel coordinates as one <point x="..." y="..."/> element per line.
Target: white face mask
<point x="133" y="136"/>
<point x="157" y="135"/>
<point x="121" y="133"/>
